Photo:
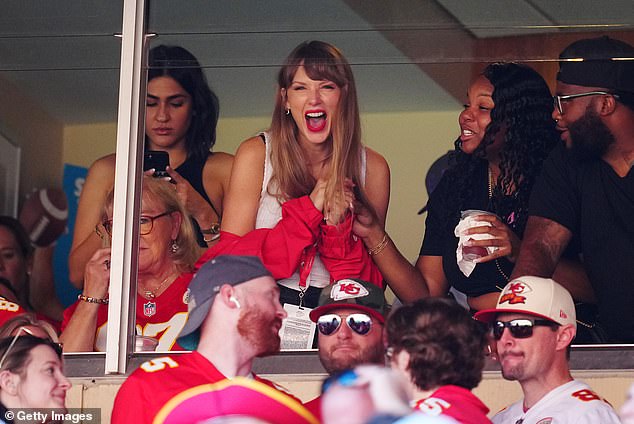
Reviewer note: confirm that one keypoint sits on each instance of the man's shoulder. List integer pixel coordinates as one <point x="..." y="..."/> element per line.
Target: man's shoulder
<point x="157" y="381"/>
<point x="509" y="413"/>
<point x="276" y="386"/>
<point x="573" y="402"/>
<point x="582" y="399"/>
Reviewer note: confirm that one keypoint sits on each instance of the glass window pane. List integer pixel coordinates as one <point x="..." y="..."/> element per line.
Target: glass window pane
<point x="412" y="60"/>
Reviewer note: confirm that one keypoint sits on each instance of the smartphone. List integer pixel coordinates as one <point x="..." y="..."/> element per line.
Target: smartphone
<point x="157" y="159"/>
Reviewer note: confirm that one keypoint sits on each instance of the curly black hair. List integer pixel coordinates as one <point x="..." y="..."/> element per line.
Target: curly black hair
<point x="446" y="345"/>
<point x="522" y="112"/>
<point x="179" y="64"/>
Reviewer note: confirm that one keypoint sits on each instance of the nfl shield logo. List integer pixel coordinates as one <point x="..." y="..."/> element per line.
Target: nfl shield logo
<point x="149" y="309"/>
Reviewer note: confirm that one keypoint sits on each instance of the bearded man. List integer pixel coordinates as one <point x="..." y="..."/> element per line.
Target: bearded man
<point x="586" y="189"/>
<point x="350" y="320"/>
<point x="234" y="316"/>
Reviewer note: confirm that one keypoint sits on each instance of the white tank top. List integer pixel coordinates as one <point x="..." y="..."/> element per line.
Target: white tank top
<point x="270" y="212"/>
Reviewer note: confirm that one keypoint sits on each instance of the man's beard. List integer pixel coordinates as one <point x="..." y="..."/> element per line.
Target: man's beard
<point x="590" y="137"/>
<point x="368" y="355"/>
<point x="258" y="330"/>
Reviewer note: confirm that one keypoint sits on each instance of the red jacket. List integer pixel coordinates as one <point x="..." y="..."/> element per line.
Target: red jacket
<point x="288" y="246"/>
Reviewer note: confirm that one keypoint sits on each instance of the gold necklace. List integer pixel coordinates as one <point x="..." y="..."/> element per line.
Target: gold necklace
<point x="151" y="294"/>
<point x="497" y="263"/>
<point x="490" y="182"/>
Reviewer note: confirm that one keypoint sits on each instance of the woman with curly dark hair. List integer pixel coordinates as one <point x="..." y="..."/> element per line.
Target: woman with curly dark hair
<point x="506" y="132"/>
<point x="440" y="349"/>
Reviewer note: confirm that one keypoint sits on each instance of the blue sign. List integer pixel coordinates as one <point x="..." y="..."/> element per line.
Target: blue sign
<point x="74" y="178"/>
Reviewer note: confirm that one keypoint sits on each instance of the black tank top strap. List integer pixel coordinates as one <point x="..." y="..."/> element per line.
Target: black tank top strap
<point x="192" y="171"/>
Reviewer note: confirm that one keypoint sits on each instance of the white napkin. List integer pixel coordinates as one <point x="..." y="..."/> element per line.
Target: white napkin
<point x="465" y="261"/>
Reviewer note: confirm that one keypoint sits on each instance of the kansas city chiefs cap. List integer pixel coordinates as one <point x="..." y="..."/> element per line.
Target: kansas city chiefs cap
<point x="352" y="294"/>
<point x="541" y="297"/>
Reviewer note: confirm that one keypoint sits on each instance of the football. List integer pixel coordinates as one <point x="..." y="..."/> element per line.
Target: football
<point x="44" y="215"/>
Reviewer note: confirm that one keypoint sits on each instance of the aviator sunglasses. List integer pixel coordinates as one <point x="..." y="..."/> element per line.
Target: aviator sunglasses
<point x="520" y="328"/>
<point x="359" y="323"/>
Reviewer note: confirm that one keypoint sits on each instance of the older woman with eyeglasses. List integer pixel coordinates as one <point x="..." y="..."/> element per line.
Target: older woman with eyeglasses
<point x="167" y="252"/>
<point x="31" y="375"/>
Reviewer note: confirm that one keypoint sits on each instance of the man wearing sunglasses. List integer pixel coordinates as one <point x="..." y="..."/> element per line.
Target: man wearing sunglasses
<point x="350" y="319"/>
<point x="586" y="190"/>
<point x="532" y="326"/>
<point x="234" y="316"/>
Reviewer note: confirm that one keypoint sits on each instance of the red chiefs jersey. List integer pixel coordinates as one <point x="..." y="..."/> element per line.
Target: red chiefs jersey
<point x="171" y="389"/>
<point x="456" y="402"/>
<point x="9" y="310"/>
<point x="314" y="406"/>
<point x="162" y="318"/>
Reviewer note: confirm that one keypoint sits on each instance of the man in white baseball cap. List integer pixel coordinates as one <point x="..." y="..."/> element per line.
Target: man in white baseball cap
<point x="539" y="315"/>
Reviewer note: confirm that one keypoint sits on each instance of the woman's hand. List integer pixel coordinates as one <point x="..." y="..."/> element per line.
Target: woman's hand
<point x="97" y="274"/>
<point x="367" y="226"/>
<point x="336" y="212"/>
<point x="507" y="243"/>
<point x="318" y="195"/>
<point x="194" y="203"/>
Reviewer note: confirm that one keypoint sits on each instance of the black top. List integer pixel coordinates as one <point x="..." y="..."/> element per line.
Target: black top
<point x="192" y="171"/>
<point x="443" y="215"/>
<point x="597" y="205"/>
<point x="3" y="415"/>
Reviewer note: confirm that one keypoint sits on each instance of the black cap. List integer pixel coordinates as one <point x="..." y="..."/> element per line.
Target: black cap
<point x="352" y="294"/>
<point x="600" y="62"/>
<point x="226" y="269"/>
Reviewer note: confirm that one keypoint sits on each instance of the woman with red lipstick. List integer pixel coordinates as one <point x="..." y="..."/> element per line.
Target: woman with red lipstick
<point x="181" y="117"/>
<point x="301" y="177"/>
<point x="506" y="132"/>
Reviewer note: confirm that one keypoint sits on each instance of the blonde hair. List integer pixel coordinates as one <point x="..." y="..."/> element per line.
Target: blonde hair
<point x="27" y="320"/>
<point x="163" y="192"/>
<point x="290" y="177"/>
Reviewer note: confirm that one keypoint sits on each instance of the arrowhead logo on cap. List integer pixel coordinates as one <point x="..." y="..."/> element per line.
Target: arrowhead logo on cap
<point x="513" y="292"/>
<point x="347" y="289"/>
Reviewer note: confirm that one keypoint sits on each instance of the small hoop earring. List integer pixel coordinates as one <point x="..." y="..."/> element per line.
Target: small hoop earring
<point x="288" y="112"/>
<point x="174" y="246"/>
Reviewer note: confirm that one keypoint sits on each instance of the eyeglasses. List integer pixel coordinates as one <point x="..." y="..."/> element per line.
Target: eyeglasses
<point x="520" y="328"/>
<point x="146" y="223"/>
<point x="558" y="100"/>
<point x="359" y="323"/>
<point x="56" y="346"/>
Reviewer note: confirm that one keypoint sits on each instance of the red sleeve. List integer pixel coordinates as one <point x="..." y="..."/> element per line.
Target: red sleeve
<point x="9" y="310"/>
<point x="314" y="406"/>
<point x="280" y="248"/>
<point x="345" y="255"/>
<point x="131" y="404"/>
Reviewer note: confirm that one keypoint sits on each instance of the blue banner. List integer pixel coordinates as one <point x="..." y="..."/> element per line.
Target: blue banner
<point x="74" y="177"/>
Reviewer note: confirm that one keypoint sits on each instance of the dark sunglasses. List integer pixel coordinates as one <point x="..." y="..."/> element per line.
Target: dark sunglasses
<point x="520" y="328"/>
<point x="359" y="323"/>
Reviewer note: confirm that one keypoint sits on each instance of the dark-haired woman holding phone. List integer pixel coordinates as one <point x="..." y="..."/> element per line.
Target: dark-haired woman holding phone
<point x="181" y="117"/>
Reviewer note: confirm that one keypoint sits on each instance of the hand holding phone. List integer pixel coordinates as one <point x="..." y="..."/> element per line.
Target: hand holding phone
<point x="157" y="160"/>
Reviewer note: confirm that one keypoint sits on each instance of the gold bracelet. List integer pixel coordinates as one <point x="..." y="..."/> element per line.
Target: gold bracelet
<point x="379" y="247"/>
<point x="210" y="239"/>
<point x="89" y="299"/>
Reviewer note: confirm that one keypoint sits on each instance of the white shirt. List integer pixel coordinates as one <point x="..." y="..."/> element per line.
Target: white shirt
<point x="573" y="402"/>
